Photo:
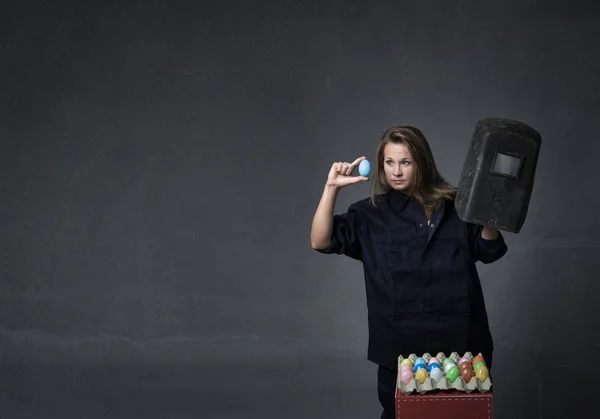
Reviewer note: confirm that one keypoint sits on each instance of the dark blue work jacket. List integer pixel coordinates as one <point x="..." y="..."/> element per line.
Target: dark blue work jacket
<point x="423" y="289"/>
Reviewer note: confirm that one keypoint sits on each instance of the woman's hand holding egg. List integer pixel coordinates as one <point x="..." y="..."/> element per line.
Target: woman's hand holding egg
<point x="340" y="174"/>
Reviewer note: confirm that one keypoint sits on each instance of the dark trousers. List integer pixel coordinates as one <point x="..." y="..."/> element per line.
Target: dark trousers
<point x="386" y="387"/>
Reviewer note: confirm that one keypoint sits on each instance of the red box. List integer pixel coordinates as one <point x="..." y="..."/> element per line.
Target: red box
<point x="445" y="404"/>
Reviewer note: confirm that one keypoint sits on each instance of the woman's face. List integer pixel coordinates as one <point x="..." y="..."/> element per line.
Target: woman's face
<point x="399" y="166"/>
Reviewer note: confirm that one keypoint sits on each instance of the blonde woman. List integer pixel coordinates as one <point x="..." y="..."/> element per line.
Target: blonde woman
<point x="419" y="259"/>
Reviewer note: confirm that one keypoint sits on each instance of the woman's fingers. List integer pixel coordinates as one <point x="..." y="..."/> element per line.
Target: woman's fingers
<point x="348" y="168"/>
<point x="356" y="179"/>
<point x="341" y="173"/>
<point x="356" y="162"/>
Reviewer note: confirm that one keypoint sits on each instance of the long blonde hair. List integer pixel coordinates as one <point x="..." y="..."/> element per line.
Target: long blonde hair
<point x="429" y="187"/>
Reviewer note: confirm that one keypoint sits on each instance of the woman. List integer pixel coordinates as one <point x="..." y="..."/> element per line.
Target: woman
<point x="423" y="289"/>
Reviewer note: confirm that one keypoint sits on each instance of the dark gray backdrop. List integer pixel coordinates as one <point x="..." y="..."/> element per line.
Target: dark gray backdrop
<point x="161" y="163"/>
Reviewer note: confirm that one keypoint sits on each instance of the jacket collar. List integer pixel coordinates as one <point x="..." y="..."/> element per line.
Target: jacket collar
<point x="398" y="201"/>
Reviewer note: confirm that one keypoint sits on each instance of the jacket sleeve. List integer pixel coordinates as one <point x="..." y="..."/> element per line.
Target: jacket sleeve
<point x="345" y="235"/>
<point x="486" y="251"/>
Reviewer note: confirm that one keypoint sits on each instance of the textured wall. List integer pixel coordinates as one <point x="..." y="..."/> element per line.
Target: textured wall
<point x="161" y="163"/>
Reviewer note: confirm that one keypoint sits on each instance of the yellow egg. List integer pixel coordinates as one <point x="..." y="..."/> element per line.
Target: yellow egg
<point x="482" y="373"/>
<point x="421" y="375"/>
<point x="406" y="361"/>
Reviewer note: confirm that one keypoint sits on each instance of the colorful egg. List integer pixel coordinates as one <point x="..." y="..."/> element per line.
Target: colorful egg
<point x="478" y="365"/>
<point x="406" y="361"/>
<point x="420" y="365"/>
<point x="448" y="367"/>
<point x="453" y="373"/>
<point x="467" y="374"/>
<point x="463" y="360"/>
<point x="421" y="375"/>
<point x="406" y="376"/>
<point x="420" y="361"/>
<point x="432" y="366"/>
<point x="436" y="374"/>
<point x="364" y="168"/>
<point x="478" y="358"/>
<point x="434" y="360"/>
<point x="406" y="367"/>
<point x="482" y="373"/>
<point x="448" y="361"/>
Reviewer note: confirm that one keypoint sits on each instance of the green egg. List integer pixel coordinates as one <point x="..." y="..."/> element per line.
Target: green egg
<point x="447" y="361"/>
<point x="452" y="374"/>
<point x="478" y="364"/>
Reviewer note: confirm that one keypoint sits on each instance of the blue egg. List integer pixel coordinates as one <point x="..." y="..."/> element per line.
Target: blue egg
<point x="419" y="366"/>
<point x="420" y="361"/>
<point x="364" y="168"/>
<point x="432" y="366"/>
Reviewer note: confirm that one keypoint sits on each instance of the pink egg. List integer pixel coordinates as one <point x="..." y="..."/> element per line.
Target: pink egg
<point x="406" y="376"/>
<point x="432" y="360"/>
<point x="406" y="367"/>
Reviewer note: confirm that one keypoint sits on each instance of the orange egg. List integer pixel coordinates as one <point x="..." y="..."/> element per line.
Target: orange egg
<point x="466" y="365"/>
<point x="467" y="374"/>
<point x="478" y="358"/>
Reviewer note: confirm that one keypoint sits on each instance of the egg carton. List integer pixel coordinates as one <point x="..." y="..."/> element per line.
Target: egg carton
<point x="443" y="384"/>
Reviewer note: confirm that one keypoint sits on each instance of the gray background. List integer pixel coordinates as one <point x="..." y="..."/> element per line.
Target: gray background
<point x="161" y="163"/>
